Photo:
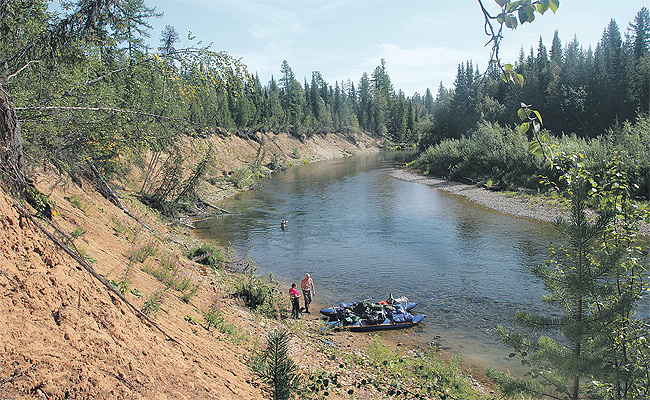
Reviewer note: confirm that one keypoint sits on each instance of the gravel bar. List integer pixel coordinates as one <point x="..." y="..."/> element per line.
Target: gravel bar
<point x="518" y="205"/>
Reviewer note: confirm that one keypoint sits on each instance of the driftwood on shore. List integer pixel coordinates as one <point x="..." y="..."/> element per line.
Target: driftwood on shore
<point x="222" y="210"/>
<point x="202" y="215"/>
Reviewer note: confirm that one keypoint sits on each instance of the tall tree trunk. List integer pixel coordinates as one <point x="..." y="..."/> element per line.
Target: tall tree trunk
<point x="12" y="161"/>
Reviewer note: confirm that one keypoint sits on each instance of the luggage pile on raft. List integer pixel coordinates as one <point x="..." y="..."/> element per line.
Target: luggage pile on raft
<point x="366" y="316"/>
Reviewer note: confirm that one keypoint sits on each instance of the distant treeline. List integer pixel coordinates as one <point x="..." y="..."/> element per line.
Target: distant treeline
<point x="95" y="90"/>
<point x="593" y="102"/>
<point x="578" y="91"/>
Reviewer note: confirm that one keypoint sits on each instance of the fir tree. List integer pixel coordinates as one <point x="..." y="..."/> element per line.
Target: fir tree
<point x="593" y="285"/>
<point x="275" y="366"/>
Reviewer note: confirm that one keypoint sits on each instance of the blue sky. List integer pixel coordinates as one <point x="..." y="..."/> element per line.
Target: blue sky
<point x="422" y="41"/>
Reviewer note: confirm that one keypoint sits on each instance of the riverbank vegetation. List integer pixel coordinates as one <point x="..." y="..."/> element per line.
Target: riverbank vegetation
<point x="84" y="102"/>
<point x="593" y="101"/>
<point x="591" y="343"/>
<point x="82" y="94"/>
<point x="106" y="96"/>
<point x="501" y="157"/>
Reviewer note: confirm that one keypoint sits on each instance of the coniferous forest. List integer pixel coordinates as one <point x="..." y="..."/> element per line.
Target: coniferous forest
<point x="80" y="90"/>
<point x="85" y="84"/>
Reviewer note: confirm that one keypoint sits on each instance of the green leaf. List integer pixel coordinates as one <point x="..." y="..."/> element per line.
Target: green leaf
<point x="554" y="5"/>
<point x="522" y="114"/>
<point x="524" y="127"/>
<point x="536" y="149"/>
<point x="523" y="16"/>
<point x="542" y="7"/>
<point x="530" y="10"/>
<point x="521" y="80"/>
<point x="538" y="115"/>
<point x="501" y="3"/>
<point x="526" y="14"/>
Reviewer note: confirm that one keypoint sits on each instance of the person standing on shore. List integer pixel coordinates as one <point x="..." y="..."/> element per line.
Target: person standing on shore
<point x="308" y="290"/>
<point x="295" y="301"/>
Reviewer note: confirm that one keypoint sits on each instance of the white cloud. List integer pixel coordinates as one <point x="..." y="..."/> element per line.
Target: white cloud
<point x="417" y="68"/>
<point x="279" y="28"/>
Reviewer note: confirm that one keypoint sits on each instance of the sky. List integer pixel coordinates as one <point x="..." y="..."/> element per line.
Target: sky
<point x="422" y="41"/>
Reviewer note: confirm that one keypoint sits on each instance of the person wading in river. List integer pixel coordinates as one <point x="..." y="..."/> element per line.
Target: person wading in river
<point x="308" y="290"/>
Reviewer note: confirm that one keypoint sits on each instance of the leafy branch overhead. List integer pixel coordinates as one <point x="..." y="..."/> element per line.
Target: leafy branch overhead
<point x="511" y="15"/>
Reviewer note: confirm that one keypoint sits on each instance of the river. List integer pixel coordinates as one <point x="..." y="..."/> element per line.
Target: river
<point x="364" y="234"/>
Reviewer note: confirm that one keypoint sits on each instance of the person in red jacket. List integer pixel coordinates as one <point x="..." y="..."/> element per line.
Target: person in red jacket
<point x="294" y="295"/>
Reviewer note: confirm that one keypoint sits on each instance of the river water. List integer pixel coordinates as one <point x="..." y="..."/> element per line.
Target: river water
<point x="364" y="234"/>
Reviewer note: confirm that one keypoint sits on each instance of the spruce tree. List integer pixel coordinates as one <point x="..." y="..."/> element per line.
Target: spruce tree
<point x="573" y="279"/>
<point x="276" y="368"/>
<point x="594" y="282"/>
<point x="365" y="102"/>
<point x="640" y="33"/>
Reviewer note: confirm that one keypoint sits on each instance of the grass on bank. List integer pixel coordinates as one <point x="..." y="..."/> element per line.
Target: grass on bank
<point x="376" y="372"/>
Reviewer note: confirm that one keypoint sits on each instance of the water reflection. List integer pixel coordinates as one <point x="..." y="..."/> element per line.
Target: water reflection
<point x="361" y="233"/>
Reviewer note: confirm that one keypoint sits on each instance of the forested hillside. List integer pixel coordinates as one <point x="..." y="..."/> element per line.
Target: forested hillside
<point x="85" y="86"/>
<point x="578" y="90"/>
<point x="593" y="102"/>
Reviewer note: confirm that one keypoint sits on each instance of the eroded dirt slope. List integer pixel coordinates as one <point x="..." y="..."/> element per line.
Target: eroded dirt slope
<point x="64" y="336"/>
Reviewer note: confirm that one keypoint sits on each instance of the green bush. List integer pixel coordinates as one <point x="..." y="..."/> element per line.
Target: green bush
<point x="208" y="255"/>
<point x="259" y="295"/>
<point x="490" y="152"/>
<point x="501" y="154"/>
<point x="243" y="178"/>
